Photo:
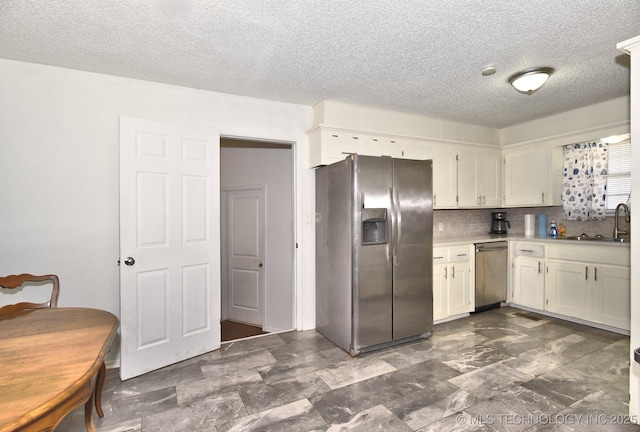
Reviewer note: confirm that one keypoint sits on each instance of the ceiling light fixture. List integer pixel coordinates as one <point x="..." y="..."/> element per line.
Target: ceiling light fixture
<point x="530" y="80"/>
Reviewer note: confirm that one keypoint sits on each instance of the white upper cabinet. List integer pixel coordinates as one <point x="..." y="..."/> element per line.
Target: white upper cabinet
<point x="490" y="178"/>
<point x="329" y="145"/>
<point x="518" y="166"/>
<point x="417" y="149"/>
<point x="526" y="180"/>
<point x="397" y="147"/>
<point x="468" y="194"/>
<point x="463" y="175"/>
<point x="381" y="146"/>
<point x="445" y="176"/>
<point x="479" y="177"/>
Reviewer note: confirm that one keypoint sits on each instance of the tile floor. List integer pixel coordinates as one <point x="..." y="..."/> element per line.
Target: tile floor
<point x="504" y="370"/>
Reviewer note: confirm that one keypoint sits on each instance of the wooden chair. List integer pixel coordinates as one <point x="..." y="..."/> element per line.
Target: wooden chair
<point x="15" y="281"/>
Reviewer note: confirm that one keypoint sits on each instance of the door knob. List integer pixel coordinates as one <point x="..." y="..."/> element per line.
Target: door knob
<point x="260" y="265"/>
<point x="129" y="261"/>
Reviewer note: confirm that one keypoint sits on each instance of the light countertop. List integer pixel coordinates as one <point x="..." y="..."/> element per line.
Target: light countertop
<point x="462" y="240"/>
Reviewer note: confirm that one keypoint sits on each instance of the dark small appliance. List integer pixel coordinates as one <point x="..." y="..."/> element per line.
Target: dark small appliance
<point x="499" y="223"/>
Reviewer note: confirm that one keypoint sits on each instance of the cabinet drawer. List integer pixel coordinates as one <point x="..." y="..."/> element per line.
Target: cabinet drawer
<point x="529" y="250"/>
<point x="459" y="253"/>
<point x="440" y="255"/>
<point x="443" y="255"/>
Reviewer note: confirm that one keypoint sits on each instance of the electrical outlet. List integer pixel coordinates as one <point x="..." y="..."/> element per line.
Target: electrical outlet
<point x="440" y="226"/>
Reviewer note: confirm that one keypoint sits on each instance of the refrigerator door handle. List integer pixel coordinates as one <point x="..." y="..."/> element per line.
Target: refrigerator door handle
<point x="398" y="221"/>
<point x="394" y="226"/>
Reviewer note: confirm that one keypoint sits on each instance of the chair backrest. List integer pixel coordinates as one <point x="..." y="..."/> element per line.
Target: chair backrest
<point x="15" y="281"/>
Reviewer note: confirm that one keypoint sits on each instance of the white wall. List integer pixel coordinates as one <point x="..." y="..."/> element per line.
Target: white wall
<point x="59" y="171"/>
<point x="633" y="46"/>
<point x="272" y="168"/>
<point x="583" y="124"/>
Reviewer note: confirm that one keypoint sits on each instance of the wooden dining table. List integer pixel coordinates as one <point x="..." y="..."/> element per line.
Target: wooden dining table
<point x="49" y="362"/>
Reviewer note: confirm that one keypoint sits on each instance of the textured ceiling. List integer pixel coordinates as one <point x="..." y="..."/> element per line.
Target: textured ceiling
<point x="418" y="56"/>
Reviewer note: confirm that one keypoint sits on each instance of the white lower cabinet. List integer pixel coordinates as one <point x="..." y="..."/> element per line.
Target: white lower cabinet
<point x="595" y="286"/>
<point x="460" y="288"/>
<point x="611" y="296"/>
<point x="527" y="287"/>
<point x="440" y="290"/>
<point x="588" y="281"/>
<point x="568" y="289"/>
<point x="451" y="281"/>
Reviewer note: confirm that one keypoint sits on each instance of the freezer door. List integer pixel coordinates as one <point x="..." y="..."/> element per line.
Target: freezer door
<point x="372" y="294"/>
<point x="413" y="248"/>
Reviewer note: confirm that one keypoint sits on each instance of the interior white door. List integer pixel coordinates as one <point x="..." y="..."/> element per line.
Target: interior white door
<point x="246" y="254"/>
<point x="169" y="244"/>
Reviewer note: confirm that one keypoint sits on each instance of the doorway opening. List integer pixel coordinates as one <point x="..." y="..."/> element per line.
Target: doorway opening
<point x="257" y="237"/>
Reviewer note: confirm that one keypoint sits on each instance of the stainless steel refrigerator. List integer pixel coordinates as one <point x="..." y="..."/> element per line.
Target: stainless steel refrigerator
<point x="374" y="235"/>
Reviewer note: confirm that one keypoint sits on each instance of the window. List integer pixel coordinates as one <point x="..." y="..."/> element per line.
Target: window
<point x="584" y="185"/>
<point x="619" y="174"/>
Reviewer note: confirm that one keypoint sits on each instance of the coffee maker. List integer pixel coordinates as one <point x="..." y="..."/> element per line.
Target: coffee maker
<point x="499" y="223"/>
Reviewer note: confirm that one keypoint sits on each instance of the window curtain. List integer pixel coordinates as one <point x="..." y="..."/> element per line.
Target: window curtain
<point x="584" y="184"/>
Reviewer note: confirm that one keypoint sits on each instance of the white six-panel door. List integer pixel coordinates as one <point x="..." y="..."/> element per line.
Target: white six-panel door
<point x="169" y="244"/>
<point x="246" y="252"/>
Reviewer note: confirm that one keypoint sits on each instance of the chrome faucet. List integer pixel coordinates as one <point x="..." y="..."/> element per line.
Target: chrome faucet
<point x="617" y="232"/>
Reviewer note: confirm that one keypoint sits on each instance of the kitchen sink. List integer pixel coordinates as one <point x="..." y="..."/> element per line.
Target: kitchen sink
<point x="597" y="239"/>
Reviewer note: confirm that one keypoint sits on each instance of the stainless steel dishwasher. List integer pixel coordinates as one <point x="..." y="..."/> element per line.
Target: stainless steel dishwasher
<point x="491" y="274"/>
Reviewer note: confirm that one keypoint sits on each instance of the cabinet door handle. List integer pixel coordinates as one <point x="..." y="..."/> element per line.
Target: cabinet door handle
<point x="434" y="200"/>
<point x="539" y="267"/>
<point x="445" y="272"/>
<point x="453" y="272"/>
<point x="595" y="273"/>
<point x="586" y="272"/>
<point x="526" y="250"/>
<point x="542" y="197"/>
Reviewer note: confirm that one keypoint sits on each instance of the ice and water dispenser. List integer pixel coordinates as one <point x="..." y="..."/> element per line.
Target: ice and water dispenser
<point x="374" y="226"/>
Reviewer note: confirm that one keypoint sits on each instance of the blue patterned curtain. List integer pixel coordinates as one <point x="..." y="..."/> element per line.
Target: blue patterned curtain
<point x="584" y="183"/>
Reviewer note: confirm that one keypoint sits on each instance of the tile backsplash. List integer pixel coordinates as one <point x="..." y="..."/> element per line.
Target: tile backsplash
<point x="464" y="223"/>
